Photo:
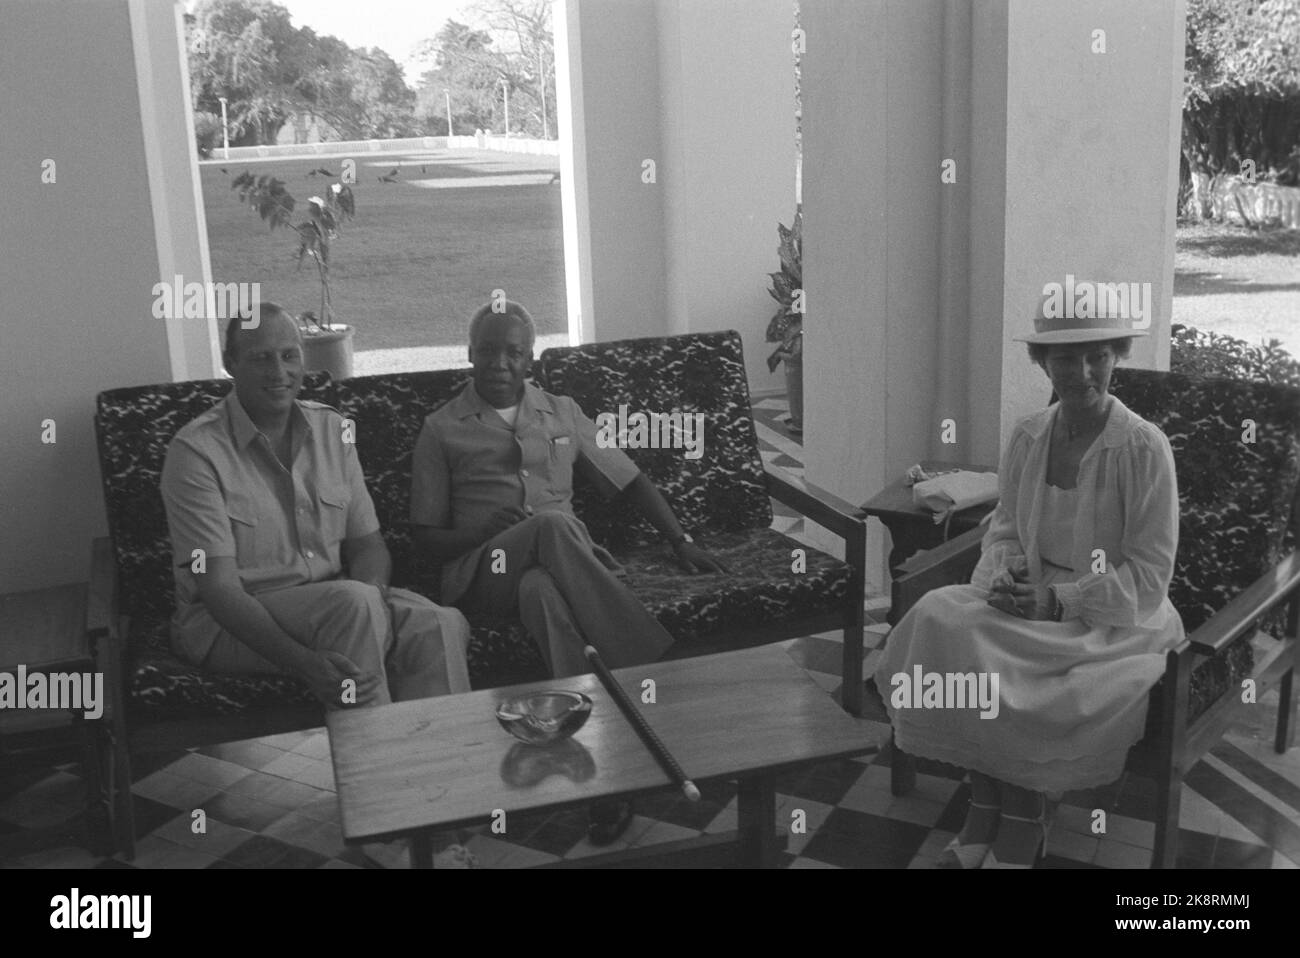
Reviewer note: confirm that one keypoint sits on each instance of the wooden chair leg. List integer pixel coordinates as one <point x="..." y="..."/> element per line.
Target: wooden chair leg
<point x="851" y="687"/>
<point x="902" y="769"/>
<point x="92" y="764"/>
<point x="1169" y="796"/>
<point x="123" y="812"/>
<point x="1285" y="735"/>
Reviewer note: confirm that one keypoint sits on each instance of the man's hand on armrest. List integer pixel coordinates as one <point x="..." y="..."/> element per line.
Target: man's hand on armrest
<point x="245" y="618"/>
<point x="643" y="494"/>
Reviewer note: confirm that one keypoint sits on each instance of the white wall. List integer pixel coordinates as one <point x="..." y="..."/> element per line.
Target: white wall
<point x="1092" y="159"/>
<point x="79" y="262"/>
<point x="726" y="73"/>
<point x="705" y="89"/>
<point x="171" y="155"/>
<point x="614" y="76"/>
<point x="1066" y="162"/>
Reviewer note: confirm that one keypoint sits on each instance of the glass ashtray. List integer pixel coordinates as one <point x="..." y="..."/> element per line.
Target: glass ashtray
<point x="544" y="717"/>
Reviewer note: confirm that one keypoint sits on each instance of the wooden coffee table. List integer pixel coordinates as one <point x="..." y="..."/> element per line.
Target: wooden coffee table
<point x="410" y="768"/>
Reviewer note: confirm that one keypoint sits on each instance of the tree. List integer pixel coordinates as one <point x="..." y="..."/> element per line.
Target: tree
<point x="1241" y="98"/>
<point x="249" y="52"/>
<point x="506" y="41"/>
<point x="524" y="27"/>
<point x="465" y="65"/>
<point x="235" y="51"/>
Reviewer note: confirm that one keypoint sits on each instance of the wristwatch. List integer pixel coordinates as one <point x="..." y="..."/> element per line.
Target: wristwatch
<point x="676" y="541"/>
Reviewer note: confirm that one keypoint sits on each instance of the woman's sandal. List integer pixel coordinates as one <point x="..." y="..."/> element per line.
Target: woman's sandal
<point x="991" y="861"/>
<point x="957" y="855"/>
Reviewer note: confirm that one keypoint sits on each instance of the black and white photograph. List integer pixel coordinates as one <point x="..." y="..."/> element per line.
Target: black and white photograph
<point x="651" y="434"/>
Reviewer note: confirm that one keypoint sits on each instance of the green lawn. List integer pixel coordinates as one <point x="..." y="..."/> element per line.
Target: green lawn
<point x="1239" y="282"/>
<point x="415" y="262"/>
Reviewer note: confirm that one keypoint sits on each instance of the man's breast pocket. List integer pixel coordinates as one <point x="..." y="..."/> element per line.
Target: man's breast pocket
<point x="563" y="452"/>
<point x="243" y="515"/>
<point x="333" y="513"/>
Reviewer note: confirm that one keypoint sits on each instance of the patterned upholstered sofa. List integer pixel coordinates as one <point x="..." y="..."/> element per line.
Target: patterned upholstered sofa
<point x="1236" y="449"/>
<point x="722" y="498"/>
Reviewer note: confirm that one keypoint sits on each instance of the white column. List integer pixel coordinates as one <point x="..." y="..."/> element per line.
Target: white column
<point x="171" y="163"/>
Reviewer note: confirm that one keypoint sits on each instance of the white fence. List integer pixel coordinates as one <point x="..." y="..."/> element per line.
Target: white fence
<point x="513" y="144"/>
<point x="481" y="141"/>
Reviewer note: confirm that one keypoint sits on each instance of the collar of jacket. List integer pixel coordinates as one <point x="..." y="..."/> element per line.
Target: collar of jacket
<point x="470" y="403"/>
<point x="1120" y="422"/>
<point x="245" y="430"/>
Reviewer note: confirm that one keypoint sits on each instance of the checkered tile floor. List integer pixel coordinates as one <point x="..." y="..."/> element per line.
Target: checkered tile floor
<point x="270" y="803"/>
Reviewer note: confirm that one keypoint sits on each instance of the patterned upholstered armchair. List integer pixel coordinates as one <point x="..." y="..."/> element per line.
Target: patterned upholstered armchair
<point x="1236" y="581"/>
<point x="722" y="497"/>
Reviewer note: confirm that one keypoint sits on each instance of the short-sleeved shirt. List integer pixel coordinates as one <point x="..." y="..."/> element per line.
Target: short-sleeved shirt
<point x="469" y="463"/>
<point x="227" y="494"/>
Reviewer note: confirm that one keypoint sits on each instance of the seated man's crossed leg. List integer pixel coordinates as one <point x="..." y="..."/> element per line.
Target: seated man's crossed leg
<point x="548" y="569"/>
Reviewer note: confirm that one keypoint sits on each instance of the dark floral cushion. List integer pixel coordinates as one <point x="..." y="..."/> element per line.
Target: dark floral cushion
<point x="162" y="686"/>
<point x="761" y="591"/>
<point x="134" y="427"/>
<point x="1236" y="497"/>
<point x="389" y="410"/>
<point x="723" y="490"/>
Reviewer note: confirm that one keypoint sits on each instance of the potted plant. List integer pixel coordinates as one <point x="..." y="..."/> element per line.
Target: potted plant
<point x="786" y="325"/>
<point x="326" y="345"/>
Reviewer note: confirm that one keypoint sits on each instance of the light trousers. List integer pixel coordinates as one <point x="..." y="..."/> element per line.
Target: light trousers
<point x="416" y="647"/>
<point x="565" y="596"/>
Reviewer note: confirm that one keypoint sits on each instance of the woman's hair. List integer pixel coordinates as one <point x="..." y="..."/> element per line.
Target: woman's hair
<point x="1121" y="347"/>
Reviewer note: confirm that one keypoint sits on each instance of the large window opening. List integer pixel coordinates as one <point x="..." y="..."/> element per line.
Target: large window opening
<point x="389" y="173"/>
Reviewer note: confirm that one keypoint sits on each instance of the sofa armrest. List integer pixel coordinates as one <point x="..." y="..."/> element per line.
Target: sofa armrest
<point x="946" y="564"/>
<point x="822" y="507"/>
<point x="1259" y="598"/>
<point x="101" y="598"/>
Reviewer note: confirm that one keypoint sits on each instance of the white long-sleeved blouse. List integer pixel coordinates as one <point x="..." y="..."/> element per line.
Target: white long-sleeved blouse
<point x="1127" y="508"/>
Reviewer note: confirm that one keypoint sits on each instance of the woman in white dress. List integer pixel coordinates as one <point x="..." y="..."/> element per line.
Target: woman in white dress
<point x="1068" y="607"/>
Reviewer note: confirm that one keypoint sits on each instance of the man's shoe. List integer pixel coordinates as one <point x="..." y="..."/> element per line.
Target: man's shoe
<point x="396" y="855"/>
<point x="607" y="821"/>
<point x="455" y="856"/>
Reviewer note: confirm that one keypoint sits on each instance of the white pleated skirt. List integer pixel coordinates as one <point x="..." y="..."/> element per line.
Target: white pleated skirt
<point x="1072" y="699"/>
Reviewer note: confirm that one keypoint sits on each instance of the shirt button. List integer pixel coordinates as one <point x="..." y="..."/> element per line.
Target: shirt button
<point x="302" y="511"/>
<point x="309" y="554"/>
<point x="524" y="473"/>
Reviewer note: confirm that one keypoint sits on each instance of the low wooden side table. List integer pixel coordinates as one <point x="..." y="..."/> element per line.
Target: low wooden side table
<point x="912" y="529"/>
<point x="44" y="631"/>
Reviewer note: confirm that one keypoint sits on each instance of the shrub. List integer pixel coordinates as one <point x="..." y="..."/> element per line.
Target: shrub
<point x="1198" y="353"/>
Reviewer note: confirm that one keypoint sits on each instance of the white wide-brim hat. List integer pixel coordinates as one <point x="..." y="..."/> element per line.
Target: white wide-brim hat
<point x="1072" y="329"/>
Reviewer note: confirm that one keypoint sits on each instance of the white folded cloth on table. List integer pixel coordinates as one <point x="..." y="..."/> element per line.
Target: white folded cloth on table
<point x="954" y="491"/>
